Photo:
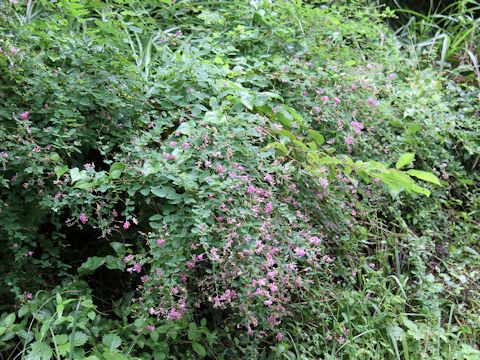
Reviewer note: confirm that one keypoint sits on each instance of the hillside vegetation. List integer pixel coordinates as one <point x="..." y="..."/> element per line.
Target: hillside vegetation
<point x="235" y="180"/>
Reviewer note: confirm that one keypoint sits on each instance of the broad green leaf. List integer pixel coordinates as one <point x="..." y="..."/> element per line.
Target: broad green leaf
<point x="116" y="170"/>
<point x="199" y="349"/>
<point x="60" y="170"/>
<point x="113" y="355"/>
<point x="329" y="160"/>
<point x="276" y="145"/>
<point x="40" y="351"/>
<point x="425" y="176"/>
<point x="111" y="341"/>
<point x="404" y="160"/>
<point x="315" y="135"/>
<point x="61" y="339"/>
<point x="79" y="338"/>
<point x="9" y="320"/>
<point x="91" y="264"/>
<point x="54" y="156"/>
<point x="76" y="175"/>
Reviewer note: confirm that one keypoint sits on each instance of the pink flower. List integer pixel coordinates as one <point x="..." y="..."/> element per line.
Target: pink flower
<point x="337" y="101"/>
<point x="128" y="258"/>
<point x="207" y="164"/>
<point x="83" y="218"/>
<point x="348" y="140"/>
<point x="24" y="115"/>
<point x="315" y="240"/>
<point x="28" y="295"/>
<point x="14" y="50"/>
<point x="323" y="182"/>
<point x="137" y="267"/>
<point x="126" y="225"/>
<point x="200" y="257"/>
<point x="268" y="208"/>
<point x="30" y="253"/>
<point x="219" y="169"/>
<point x="175" y="291"/>
<point x="279" y="336"/>
<point x="173" y="143"/>
<point x="185" y="145"/>
<point x="150" y="327"/>
<point x="325" y="99"/>
<point x="160" y="242"/>
<point x="316" y="109"/>
<point x="357" y="126"/>
<point x="327" y="259"/>
<point x="4" y="155"/>
<point x="353" y="87"/>
<point x="300" y="252"/>
<point x="268" y="178"/>
<point x="391" y="76"/>
<point x="174" y="314"/>
<point x="251" y="189"/>
<point x="372" y="102"/>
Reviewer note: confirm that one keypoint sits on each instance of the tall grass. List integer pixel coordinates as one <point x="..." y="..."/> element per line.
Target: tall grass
<point x="446" y="32"/>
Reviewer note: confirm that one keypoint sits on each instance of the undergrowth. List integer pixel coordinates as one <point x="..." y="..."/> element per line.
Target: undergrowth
<point x="232" y="180"/>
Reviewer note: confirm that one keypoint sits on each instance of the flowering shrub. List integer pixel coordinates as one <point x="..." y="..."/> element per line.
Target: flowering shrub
<point x="246" y="180"/>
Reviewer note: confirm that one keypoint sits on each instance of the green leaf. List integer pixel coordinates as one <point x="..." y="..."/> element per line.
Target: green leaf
<point x="113" y="355"/>
<point x="76" y="175"/>
<point x="60" y="170"/>
<point x="79" y="339"/>
<point x="92" y="263"/>
<point x="276" y="145"/>
<point x="199" y="349"/>
<point x="40" y="351"/>
<point x="167" y="192"/>
<point x="9" y="320"/>
<point x="55" y="157"/>
<point x="116" y="170"/>
<point x="111" y="341"/>
<point x="61" y="339"/>
<point x="405" y="159"/>
<point x="425" y="176"/>
<point x="315" y="135"/>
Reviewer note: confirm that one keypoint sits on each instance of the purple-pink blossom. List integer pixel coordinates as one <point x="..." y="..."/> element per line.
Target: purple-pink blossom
<point x="372" y="102"/>
<point x="357" y="126"/>
<point x="268" y="208"/>
<point x="348" y="140"/>
<point x="83" y="218"/>
<point x="323" y="182"/>
<point x="126" y="225"/>
<point x="300" y="252"/>
<point x="24" y="115"/>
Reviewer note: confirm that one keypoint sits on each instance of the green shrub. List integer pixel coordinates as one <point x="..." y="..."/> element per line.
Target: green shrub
<point x="231" y="180"/>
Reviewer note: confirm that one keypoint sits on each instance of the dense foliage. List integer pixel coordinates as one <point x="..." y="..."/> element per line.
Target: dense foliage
<point x="232" y="180"/>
